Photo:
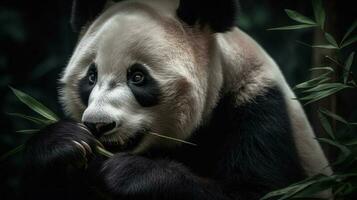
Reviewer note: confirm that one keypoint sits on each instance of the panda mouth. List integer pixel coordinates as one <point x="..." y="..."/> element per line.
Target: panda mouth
<point x="129" y="144"/>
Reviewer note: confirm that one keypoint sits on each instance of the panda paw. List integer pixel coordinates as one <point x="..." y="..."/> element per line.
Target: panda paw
<point x="62" y="145"/>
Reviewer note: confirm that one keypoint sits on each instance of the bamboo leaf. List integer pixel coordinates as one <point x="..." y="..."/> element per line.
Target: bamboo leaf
<point x="345" y="152"/>
<point x="12" y="152"/>
<point x="352" y="143"/>
<point x="349" y="41"/>
<point x="292" y="27"/>
<point x="320" y="95"/>
<point x="321" y="46"/>
<point x="325" y="86"/>
<point x="347" y="67"/>
<point x="319" y="13"/>
<point x="319" y="185"/>
<point x="35" y="105"/>
<point x="35" y="120"/>
<point x="292" y="190"/>
<point x="29" y="131"/>
<point x="313" y="82"/>
<point x="348" y="33"/>
<point x="322" y="68"/>
<point x="324" y="46"/>
<point x="340" y="189"/>
<point x="294" y="15"/>
<point x="326" y="125"/>
<point x="331" y="40"/>
<point x="333" y="115"/>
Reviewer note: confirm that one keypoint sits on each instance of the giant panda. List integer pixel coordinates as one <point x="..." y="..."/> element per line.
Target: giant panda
<point x="179" y="69"/>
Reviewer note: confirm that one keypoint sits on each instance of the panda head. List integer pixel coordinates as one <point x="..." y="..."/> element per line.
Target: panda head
<point x="144" y="66"/>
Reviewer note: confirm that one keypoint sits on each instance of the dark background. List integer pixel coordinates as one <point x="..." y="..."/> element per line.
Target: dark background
<point x="36" y="42"/>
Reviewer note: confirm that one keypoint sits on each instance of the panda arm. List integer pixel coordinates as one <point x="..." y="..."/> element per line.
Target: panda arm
<point x="55" y="161"/>
<point x="259" y="150"/>
<point x="128" y="176"/>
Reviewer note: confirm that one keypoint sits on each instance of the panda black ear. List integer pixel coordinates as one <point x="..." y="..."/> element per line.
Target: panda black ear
<point x="84" y="11"/>
<point x="219" y="15"/>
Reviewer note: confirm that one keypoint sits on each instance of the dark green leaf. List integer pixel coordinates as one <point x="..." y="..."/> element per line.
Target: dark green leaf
<point x="347" y="67"/>
<point x="290" y="191"/>
<point x="36" y="120"/>
<point x="320" y="95"/>
<point x="322" y="68"/>
<point x="333" y="115"/>
<point x="320" y="185"/>
<point x="313" y="82"/>
<point x="35" y="105"/>
<point x="326" y="125"/>
<point x="324" y="46"/>
<point x="29" y="131"/>
<point x="294" y="15"/>
<point x="340" y="189"/>
<point x="292" y="27"/>
<point x="319" y="13"/>
<point x="326" y="86"/>
<point x="349" y="41"/>
<point x="350" y="30"/>
<point x="331" y="40"/>
<point x="345" y="152"/>
<point x="12" y="152"/>
<point x="321" y="46"/>
<point x="353" y="142"/>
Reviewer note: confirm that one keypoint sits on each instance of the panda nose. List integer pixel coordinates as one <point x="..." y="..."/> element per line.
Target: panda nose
<point x="99" y="128"/>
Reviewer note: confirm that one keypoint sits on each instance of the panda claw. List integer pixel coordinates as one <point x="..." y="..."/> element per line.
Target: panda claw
<point x="80" y="146"/>
<point x="84" y="128"/>
<point x="86" y="146"/>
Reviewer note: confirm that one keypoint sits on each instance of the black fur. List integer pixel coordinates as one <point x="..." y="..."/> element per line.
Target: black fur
<point x="54" y="164"/>
<point x="127" y="176"/>
<point x="84" y="87"/>
<point x="248" y="150"/>
<point x="146" y="93"/>
<point x="219" y="15"/>
<point x="243" y="153"/>
<point x="84" y="11"/>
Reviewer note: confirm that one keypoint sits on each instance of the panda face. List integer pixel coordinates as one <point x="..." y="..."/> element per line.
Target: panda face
<point x="135" y="71"/>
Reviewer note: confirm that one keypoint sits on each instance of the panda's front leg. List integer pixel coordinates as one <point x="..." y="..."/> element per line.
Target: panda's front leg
<point x="127" y="176"/>
<point x="55" y="162"/>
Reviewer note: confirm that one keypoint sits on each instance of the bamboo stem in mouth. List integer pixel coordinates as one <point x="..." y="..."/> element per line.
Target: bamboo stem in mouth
<point x="170" y="138"/>
<point x="104" y="152"/>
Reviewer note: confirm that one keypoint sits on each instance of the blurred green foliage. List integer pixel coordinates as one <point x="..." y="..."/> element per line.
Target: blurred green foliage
<point x="335" y="76"/>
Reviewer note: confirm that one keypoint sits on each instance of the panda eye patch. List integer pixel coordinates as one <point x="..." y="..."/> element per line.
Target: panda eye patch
<point x="144" y="87"/>
<point x="87" y="83"/>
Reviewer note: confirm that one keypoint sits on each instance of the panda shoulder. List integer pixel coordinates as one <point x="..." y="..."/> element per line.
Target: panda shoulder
<point x="248" y="70"/>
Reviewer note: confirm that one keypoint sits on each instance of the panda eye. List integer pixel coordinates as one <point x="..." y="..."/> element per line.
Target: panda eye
<point x="137" y="77"/>
<point x="92" y="75"/>
<point x="92" y="78"/>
